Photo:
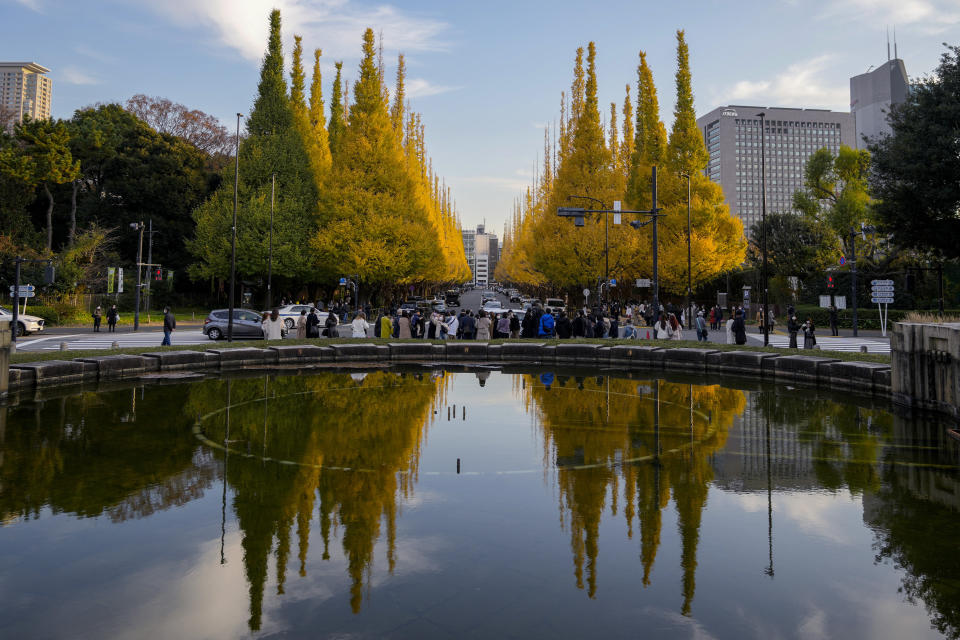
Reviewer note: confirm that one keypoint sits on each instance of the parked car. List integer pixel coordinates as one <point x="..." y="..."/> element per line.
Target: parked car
<point x="26" y="324"/>
<point x="493" y="305"/>
<point x="290" y="314"/>
<point x="554" y="305"/>
<point x="246" y="324"/>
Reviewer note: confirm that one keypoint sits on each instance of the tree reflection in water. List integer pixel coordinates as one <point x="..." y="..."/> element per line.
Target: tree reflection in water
<point x="651" y="435"/>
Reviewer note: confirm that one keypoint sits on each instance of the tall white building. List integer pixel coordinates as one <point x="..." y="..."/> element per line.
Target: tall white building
<point x="25" y="89"/>
<point x="483" y="252"/>
<point x="871" y="96"/>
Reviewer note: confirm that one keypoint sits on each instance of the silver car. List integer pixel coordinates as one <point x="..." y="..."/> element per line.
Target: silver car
<point x="246" y="324"/>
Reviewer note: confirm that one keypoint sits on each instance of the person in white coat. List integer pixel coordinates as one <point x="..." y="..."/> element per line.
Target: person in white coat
<point x="729" y="326"/>
<point x="273" y="326"/>
<point x="452" y="323"/>
<point x="360" y="325"/>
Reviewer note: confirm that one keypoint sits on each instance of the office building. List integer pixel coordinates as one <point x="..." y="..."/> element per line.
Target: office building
<point x="733" y="140"/>
<point x="25" y="89"/>
<point x="871" y="96"/>
<point x="482" y="252"/>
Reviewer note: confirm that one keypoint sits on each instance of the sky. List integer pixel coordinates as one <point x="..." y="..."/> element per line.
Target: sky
<point x="487" y="75"/>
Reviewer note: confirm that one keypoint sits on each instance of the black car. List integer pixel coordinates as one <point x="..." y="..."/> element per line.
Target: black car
<point x="246" y="324"/>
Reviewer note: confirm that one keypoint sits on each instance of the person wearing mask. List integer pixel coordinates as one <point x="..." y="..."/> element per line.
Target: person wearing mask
<point x="112" y="316"/>
<point x="793" y="328"/>
<point x="97" y="316"/>
<point x="313" y="324"/>
<point x="809" y="334"/>
<point x="360" y="325"/>
<point x="330" y="326"/>
<point x="833" y="320"/>
<point x="729" y="327"/>
<point x="514" y="324"/>
<point x="169" y="325"/>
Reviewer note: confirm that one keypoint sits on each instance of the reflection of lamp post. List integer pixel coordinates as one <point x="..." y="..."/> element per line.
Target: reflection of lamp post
<point x="223" y="499"/>
<point x="769" y="569"/>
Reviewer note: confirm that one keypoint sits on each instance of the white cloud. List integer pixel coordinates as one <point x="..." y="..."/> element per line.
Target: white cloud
<point x="800" y="84"/>
<point x="813" y="513"/>
<point x="73" y="75"/>
<point x="927" y="16"/>
<point x="419" y="87"/>
<point x="336" y="26"/>
<point x="30" y="4"/>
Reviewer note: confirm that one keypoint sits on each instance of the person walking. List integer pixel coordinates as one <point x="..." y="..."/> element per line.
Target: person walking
<point x="272" y="326"/>
<point x="112" y="316"/>
<point x="169" y="324"/>
<point x="483" y="326"/>
<point x="702" y="326"/>
<point x="330" y="325"/>
<point x="97" y="316"/>
<point x="302" y="324"/>
<point x="793" y="327"/>
<point x="809" y="334"/>
<point x="833" y="321"/>
<point x="360" y="325"/>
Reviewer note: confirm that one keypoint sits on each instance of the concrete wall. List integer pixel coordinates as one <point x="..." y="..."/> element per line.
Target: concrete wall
<point x="864" y="378"/>
<point x="925" y="366"/>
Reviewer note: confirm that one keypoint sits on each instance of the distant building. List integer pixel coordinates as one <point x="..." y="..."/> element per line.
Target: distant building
<point x="24" y="90"/>
<point x="732" y="136"/>
<point x="871" y="96"/>
<point x="482" y="252"/>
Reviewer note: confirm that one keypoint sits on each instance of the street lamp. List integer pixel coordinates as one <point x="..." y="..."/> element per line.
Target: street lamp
<point x="763" y="222"/>
<point x="684" y="174"/>
<point x="136" y="314"/>
<point x="864" y="229"/>
<point x="233" y="249"/>
<point x="606" y="242"/>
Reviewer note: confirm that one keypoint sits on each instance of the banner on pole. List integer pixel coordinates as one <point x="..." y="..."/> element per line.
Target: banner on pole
<point x="119" y="279"/>
<point x="111" y="274"/>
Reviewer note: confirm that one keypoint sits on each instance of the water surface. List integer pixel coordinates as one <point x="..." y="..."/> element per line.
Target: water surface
<point x="427" y="503"/>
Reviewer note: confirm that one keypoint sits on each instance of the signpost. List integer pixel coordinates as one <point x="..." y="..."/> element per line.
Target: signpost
<point x="643" y="283"/>
<point x="881" y="292"/>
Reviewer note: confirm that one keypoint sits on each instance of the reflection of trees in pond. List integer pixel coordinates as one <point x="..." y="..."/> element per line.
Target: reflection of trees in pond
<point x="594" y="427"/>
<point x="354" y="442"/>
<point x="88" y="454"/>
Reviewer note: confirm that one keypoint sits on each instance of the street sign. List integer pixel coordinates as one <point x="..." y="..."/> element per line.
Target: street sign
<point x="881" y="300"/>
<point x="880" y="289"/>
<point x="25" y="294"/>
<point x="643" y="282"/>
<point x="616" y="205"/>
<point x="343" y="282"/>
<point x="843" y="261"/>
<point x="882" y="282"/>
<point x="613" y="282"/>
<point x="23" y="287"/>
<point x="586" y="293"/>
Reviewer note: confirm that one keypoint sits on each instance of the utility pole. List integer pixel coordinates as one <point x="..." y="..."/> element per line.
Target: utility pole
<point x="136" y="313"/>
<point x="273" y="188"/>
<point x="150" y="233"/>
<point x="853" y="276"/>
<point x="233" y="249"/>
<point x="606" y="244"/>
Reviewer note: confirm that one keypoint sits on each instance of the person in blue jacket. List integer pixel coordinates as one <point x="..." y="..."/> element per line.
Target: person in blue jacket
<point x="547" y="325"/>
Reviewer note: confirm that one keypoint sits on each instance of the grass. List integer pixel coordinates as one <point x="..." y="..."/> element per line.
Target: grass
<point x="929" y="317"/>
<point x="31" y="356"/>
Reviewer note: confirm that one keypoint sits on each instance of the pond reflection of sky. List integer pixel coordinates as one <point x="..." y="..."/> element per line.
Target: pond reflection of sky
<point x="515" y="545"/>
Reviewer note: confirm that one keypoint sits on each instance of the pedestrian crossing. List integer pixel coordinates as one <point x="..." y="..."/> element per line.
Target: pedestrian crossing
<point x="852" y="345"/>
<point x="106" y="340"/>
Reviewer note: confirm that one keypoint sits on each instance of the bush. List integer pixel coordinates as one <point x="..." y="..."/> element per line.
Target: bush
<point x="867" y="318"/>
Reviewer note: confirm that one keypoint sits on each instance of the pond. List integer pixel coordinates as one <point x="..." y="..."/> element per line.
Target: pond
<point x="422" y="502"/>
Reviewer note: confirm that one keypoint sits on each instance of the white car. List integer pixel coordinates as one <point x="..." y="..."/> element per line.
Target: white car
<point x="25" y="322"/>
<point x="290" y="314"/>
<point x="493" y="305"/>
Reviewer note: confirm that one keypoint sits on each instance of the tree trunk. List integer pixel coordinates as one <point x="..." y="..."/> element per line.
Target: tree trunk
<point x="73" y="212"/>
<point x="46" y="189"/>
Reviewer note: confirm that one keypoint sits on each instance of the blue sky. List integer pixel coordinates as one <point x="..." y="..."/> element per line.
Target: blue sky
<point x="486" y="76"/>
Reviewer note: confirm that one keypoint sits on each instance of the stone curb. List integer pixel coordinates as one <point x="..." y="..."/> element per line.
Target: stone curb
<point x="864" y="377"/>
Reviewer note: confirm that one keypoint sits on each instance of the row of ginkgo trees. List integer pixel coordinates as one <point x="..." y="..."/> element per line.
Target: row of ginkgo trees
<point x="355" y="195"/>
<point x="544" y="250"/>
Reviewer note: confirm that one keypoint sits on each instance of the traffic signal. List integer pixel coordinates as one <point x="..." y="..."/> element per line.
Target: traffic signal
<point x="829" y="282"/>
<point x="158" y="274"/>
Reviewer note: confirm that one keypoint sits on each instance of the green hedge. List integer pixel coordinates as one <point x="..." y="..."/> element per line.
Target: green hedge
<point x="867" y="318"/>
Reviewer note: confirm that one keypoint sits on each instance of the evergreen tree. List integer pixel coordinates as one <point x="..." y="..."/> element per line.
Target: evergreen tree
<point x="320" y="155"/>
<point x="650" y="140"/>
<point x="686" y="151"/>
<point x="399" y="95"/>
<point x="275" y="146"/>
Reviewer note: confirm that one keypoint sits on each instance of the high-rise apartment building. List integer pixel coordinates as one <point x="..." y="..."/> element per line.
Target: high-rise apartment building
<point x="733" y="139"/>
<point x="24" y="90"/>
<point x="871" y="96"/>
<point x="482" y="252"/>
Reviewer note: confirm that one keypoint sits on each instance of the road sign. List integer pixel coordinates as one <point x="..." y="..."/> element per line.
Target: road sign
<point x="586" y="293"/>
<point x="881" y="300"/>
<point x="343" y="282"/>
<point x="23" y="287"/>
<point x="882" y="282"/>
<point x="25" y="294"/>
<point x="643" y="282"/>
<point x="613" y="282"/>
<point x="881" y="289"/>
<point x="843" y="260"/>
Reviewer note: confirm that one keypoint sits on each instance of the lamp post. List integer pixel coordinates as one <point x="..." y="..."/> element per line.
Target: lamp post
<point x="136" y="313"/>
<point x="763" y="222"/>
<point x="686" y="175"/>
<point x="233" y="248"/>
<point x="273" y="188"/>
<point x="606" y="243"/>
